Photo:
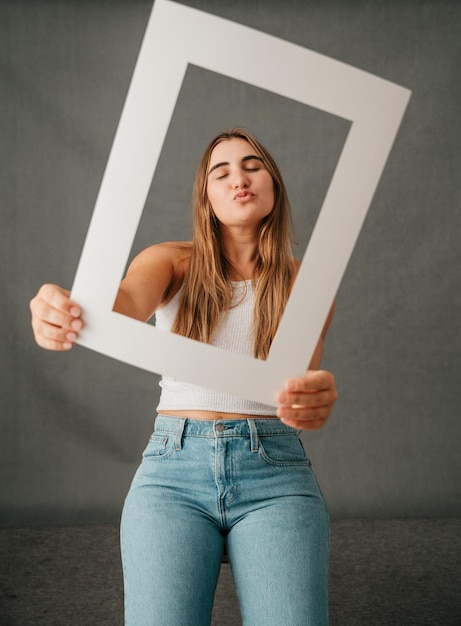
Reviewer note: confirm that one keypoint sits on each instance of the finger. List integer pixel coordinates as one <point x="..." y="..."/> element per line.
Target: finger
<point x="55" y="318"/>
<point x="58" y="343"/>
<point x="53" y="337"/>
<point x="305" y="424"/>
<point x="304" y="421"/>
<point x="313" y="380"/>
<point x="54" y="333"/>
<point x="52" y="305"/>
<point x="43" y="312"/>
<point x="56" y="296"/>
<point x="56" y="299"/>
<point x="308" y="398"/>
<point x="56" y="346"/>
<point x="298" y="413"/>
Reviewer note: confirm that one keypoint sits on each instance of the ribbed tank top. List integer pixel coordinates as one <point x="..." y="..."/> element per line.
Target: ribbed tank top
<point x="233" y="334"/>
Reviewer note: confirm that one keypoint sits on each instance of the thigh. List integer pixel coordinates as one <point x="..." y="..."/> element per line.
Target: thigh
<point x="171" y="548"/>
<point x="279" y="551"/>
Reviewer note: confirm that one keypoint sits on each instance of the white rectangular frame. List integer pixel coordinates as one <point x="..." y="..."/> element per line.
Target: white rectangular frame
<point x="177" y="35"/>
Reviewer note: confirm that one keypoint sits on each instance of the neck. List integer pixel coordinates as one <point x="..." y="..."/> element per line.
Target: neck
<point x="242" y="253"/>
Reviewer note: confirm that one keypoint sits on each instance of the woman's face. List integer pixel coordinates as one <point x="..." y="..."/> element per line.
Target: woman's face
<point x="239" y="187"/>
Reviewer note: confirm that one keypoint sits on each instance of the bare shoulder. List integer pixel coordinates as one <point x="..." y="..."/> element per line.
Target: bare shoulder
<point x="169" y="249"/>
<point x="163" y="265"/>
<point x="169" y="256"/>
<point x="179" y="249"/>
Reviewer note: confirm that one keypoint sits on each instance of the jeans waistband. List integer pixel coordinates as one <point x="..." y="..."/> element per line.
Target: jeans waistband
<point x="222" y="428"/>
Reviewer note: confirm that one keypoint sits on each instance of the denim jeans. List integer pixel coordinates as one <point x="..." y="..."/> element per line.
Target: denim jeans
<point x="246" y="484"/>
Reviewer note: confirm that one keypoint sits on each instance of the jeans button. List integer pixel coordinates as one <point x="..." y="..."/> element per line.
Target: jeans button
<point x="219" y="428"/>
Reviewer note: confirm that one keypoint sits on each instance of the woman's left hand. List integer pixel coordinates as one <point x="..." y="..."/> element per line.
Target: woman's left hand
<point x="307" y="401"/>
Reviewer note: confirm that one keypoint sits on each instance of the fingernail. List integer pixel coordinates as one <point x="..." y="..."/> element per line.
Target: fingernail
<point x="283" y="397"/>
<point x="71" y="336"/>
<point x="67" y="346"/>
<point x="75" y="311"/>
<point x="76" y="324"/>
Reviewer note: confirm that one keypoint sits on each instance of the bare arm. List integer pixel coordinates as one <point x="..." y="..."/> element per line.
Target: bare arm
<point x="56" y="319"/>
<point x="154" y="273"/>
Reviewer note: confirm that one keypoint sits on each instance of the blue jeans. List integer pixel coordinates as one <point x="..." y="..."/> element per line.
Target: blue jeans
<point x="246" y="484"/>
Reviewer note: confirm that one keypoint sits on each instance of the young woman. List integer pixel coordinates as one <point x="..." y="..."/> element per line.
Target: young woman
<point x="218" y="469"/>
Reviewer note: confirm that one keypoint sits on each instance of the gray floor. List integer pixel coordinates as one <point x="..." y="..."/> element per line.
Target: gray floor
<point x="383" y="573"/>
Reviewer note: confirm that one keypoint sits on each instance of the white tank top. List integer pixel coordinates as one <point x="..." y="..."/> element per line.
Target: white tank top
<point x="233" y="334"/>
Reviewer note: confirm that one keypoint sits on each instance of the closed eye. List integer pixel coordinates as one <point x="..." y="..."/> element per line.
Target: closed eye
<point x="245" y="160"/>
<point x="252" y="163"/>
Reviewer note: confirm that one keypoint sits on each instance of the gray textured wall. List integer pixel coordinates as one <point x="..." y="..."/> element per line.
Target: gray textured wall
<point x="74" y="425"/>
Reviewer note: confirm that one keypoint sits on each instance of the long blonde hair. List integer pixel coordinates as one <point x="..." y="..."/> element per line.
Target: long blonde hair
<point x="207" y="290"/>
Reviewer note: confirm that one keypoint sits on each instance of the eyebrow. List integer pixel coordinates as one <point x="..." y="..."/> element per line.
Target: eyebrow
<point x="250" y="157"/>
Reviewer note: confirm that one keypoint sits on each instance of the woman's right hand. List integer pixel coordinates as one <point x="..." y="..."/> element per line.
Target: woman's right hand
<point x="56" y="320"/>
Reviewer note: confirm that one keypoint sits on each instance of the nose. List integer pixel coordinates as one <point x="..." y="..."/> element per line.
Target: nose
<point x="240" y="180"/>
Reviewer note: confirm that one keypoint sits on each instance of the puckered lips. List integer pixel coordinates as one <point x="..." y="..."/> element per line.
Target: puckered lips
<point x="244" y="196"/>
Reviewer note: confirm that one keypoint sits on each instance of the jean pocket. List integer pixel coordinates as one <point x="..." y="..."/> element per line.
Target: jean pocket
<point x="160" y="446"/>
<point x="283" y="450"/>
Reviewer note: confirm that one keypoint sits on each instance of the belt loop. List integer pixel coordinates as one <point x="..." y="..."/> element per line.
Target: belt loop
<point x="254" y="439"/>
<point x="179" y="433"/>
